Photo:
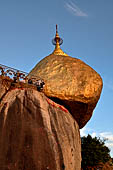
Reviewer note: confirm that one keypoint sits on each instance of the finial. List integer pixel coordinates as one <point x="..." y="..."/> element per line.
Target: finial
<point x="57" y="41"/>
<point x="56" y="29"/>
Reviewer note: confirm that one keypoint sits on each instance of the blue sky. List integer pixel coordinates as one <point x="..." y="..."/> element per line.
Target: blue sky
<point x="86" y="26"/>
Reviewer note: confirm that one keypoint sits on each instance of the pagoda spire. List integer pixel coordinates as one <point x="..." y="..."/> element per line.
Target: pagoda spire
<point x="57" y="41"/>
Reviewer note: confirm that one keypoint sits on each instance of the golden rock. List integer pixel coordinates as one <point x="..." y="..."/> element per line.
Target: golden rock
<point x="70" y="82"/>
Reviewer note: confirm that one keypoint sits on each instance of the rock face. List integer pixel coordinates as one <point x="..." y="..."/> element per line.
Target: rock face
<point x="5" y="85"/>
<point x="72" y="83"/>
<point x="36" y="133"/>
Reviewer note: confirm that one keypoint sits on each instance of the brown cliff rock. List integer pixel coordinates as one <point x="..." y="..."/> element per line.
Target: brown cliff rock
<point x="36" y="133"/>
<point x="71" y="82"/>
<point x="5" y="84"/>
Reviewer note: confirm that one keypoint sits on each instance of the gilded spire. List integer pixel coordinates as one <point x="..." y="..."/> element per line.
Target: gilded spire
<point x="57" y="41"/>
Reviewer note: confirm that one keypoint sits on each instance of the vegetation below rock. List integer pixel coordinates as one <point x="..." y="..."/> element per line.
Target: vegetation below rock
<point x="94" y="153"/>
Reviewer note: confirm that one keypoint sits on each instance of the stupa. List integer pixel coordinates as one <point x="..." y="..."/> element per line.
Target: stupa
<point x="69" y="82"/>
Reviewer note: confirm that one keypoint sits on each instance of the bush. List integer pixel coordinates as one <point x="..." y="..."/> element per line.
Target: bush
<point x="94" y="151"/>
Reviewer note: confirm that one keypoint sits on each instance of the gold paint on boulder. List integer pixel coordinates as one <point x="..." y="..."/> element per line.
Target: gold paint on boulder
<point x="70" y="82"/>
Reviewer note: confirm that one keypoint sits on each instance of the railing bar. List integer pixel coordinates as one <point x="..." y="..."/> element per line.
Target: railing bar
<point x="27" y="74"/>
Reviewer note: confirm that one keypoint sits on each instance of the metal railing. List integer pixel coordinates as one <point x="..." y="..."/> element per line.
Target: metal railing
<point x="18" y="75"/>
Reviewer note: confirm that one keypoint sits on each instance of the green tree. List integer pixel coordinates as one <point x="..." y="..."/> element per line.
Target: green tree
<point x="94" y="152"/>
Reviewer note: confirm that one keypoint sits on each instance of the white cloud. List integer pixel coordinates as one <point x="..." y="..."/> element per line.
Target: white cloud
<point x="103" y="135"/>
<point x="109" y="145"/>
<point x="94" y="134"/>
<point x="109" y="142"/>
<point x="107" y="135"/>
<point x="83" y="131"/>
<point x="74" y="9"/>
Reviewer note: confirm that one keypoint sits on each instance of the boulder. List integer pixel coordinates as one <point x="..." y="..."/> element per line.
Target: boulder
<point x="36" y="133"/>
<point x="70" y="82"/>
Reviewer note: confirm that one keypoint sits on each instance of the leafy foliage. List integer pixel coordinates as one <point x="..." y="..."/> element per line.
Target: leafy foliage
<point x="94" y="151"/>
